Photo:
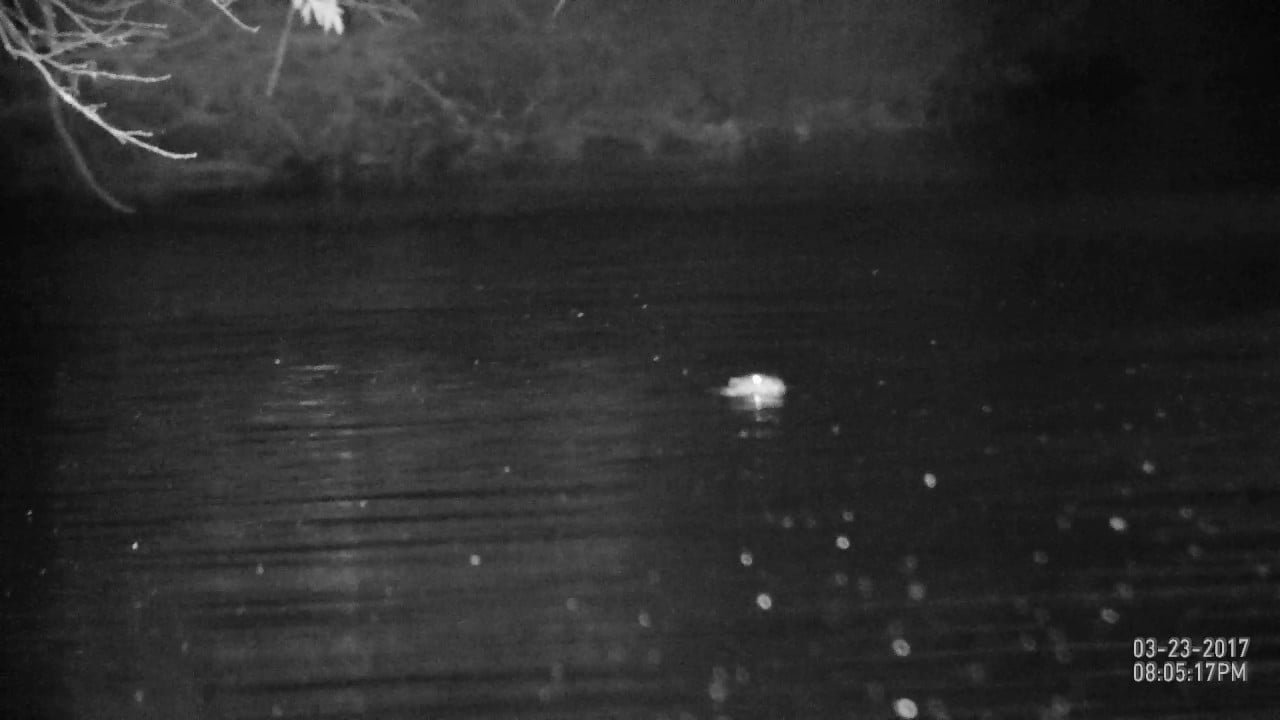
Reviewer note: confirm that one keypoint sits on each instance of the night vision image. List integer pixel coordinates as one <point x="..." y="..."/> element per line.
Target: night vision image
<point x="640" y="360"/>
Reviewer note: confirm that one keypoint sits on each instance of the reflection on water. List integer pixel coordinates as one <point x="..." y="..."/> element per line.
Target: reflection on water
<point x="435" y="475"/>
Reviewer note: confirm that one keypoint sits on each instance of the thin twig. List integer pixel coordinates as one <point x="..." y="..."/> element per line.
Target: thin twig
<point x="89" y="71"/>
<point x="77" y="157"/>
<point x="222" y="8"/>
<point x="281" y="46"/>
<point x="451" y="107"/>
<point x="130" y="137"/>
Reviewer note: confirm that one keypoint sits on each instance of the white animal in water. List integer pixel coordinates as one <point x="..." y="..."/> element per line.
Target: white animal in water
<point x="758" y="389"/>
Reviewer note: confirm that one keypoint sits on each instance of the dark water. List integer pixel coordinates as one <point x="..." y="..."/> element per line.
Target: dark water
<point x="476" y="469"/>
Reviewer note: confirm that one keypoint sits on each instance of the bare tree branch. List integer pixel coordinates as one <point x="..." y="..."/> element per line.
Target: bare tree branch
<point x="73" y="43"/>
<point x="281" y="46"/>
<point x="379" y="10"/>
<point x="82" y="167"/>
<point x="44" y="49"/>
<point x="68" y="95"/>
<point x="224" y="6"/>
<point x="454" y="110"/>
<point x="77" y="157"/>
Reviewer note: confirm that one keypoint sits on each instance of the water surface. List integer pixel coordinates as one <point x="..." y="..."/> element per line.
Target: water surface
<point x="477" y="467"/>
